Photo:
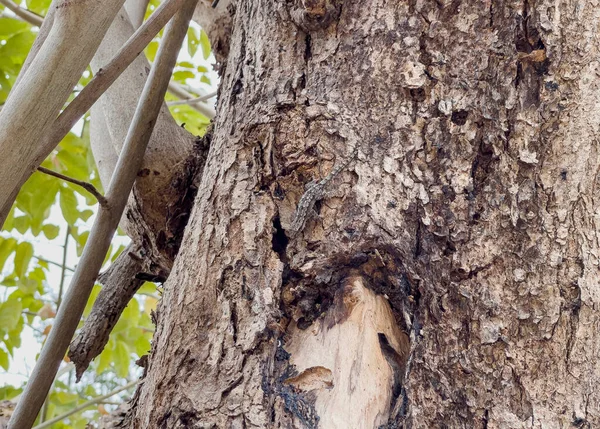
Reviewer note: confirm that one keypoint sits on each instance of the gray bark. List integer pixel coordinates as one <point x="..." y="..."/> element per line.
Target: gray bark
<point x="468" y="219"/>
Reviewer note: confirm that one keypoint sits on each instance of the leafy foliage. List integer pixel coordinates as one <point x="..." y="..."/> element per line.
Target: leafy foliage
<point x="50" y="214"/>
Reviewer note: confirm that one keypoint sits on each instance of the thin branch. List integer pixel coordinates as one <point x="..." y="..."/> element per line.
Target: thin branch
<point x="180" y="92"/>
<point x="83" y="406"/>
<point x="107" y="220"/>
<point x="24" y="14"/>
<point x="44" y="412"/>
<point x="85" y="185"/>
<point x="52" y="262"/>
<point x="63" y="268"/>
<point x="109" y="73"/>
<point x="193" y="100"/>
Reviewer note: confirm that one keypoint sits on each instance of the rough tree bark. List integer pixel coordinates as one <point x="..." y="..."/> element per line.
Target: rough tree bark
<point x="450" y="278"/>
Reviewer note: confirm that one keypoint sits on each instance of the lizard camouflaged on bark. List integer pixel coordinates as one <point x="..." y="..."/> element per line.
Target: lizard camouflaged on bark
<point x="316" y="192"/>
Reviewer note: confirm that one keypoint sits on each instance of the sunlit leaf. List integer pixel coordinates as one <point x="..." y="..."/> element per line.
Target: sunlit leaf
<point x="51" y="231"/>
<point x="22" y="257"/>
<point x="4" y="361"/>
<point x="182" y="75"/>
<point x="9" y="26"/>
<point x="66" y="397"/>
<point x="10" y="313"/>
<point x="68" y="205"/>
<point x="205" y="43"/>
<point x="142" y="345"/>
<point x="105" y="359"/>
<point x="121" y="359"/>
<point x="21" y="224"/>
<point x="17" y="46"/>
<point x="193" y="40"/>
<point x="151" y="50"/>
<point x="88" y="307"/>
<point x="7" y="246"/>
<point x="38" y="6"/>
<point x="9" y="392"/>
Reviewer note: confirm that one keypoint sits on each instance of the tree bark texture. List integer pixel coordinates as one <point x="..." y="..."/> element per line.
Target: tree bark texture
<point x="453" y="265"/>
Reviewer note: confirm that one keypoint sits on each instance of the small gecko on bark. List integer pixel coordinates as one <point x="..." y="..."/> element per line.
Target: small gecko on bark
<point x="316" y="192"/>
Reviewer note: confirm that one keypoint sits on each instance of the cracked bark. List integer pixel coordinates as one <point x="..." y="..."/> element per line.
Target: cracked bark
<point x="467" y="225"/>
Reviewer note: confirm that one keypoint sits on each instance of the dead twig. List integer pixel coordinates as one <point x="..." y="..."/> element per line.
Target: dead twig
<point x="85" y="185"/>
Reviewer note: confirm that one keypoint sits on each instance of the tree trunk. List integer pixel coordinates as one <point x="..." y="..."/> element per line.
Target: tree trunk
<point x="450" y="277"/>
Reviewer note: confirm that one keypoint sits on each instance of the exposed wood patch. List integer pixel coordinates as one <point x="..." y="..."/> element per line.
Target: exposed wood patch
<point x="341" y="360"/>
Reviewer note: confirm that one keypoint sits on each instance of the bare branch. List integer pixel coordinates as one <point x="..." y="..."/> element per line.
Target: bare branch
<point x="106" y="222"/>
<point x="85" y="185"/>
<point x="83" y="406"/>
<point x="193" y="100"/>
<point x="179" y="91"/>
<point x="35" y="102"/>
<point x="24" y="14"/>
<point x="52" y="263"/>
<point x="108" y="74"/>
<point x="119" y="285"/>
<point x="136" y="10"/>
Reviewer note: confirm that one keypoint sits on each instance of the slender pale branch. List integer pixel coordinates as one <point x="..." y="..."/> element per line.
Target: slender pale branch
<point x="180" y="92"/>
<point x="108" y="74"/>
<point x="52" y="263"/>
<point x="192" y="100"/>
<point x="63" y="268"/>
<point x="44" y="412"/>
<point x="24" y="14"/>
<point x="85" y="185"/>
<point x="130" y="161"/>
<point x="35" y="102"/>
<point x="94" y="401"/>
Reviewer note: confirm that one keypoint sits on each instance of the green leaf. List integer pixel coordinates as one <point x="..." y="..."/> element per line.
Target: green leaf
<point x="182" y="75"/>
<point x="9" y="392"/>
<point x="66" y="397"/>
<point x="151" y="50"/>
<point x="36" y="198"/>
<point x="17" y="46"/>
<point x="28" y="286"/>
<point x="38" y="6"/>
<point x="51" y="231"/>
<point x="88" y="306"/>
<point x="21" y="224"/>
<point x="117" y="252"/>
<point x="121" y="359"/>
<point x="10" y="314"/>
<point x="22" y="258"/>
<point x="105" y="359"/>
<point x="8" y="224"/>
<point x="85" y="214"/>
<point x="192" y="41"/>
<point x="142" y="346"/>
<point x="186" y="64"/>
<point x="205" y="43"/>
<point x="74" y="165"/>
<point x="7" y="246"/>
<point x="147" y="288"/>
<point x="68" y="205"/>
<point x="80" y="240"/>
<point x="10" y="26"/>
<point x="4" y="361"/>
